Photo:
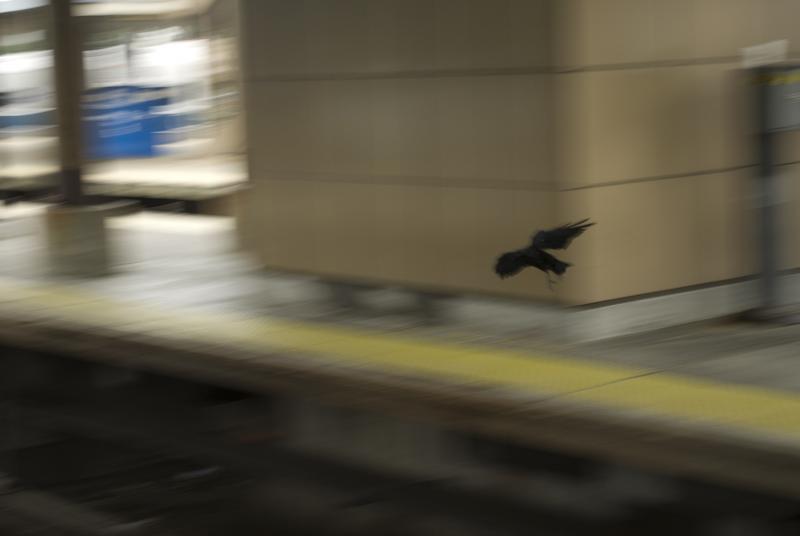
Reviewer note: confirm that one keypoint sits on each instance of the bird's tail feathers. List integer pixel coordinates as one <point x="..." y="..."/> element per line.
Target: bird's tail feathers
<point x="559" y="267"/>
<point x="582" y="225"/>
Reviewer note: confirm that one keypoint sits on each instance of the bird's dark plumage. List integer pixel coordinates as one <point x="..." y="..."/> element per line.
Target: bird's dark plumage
<point x="513" y="262"/>
<point x="560" y="237"/>
<point x="510" y="263"/>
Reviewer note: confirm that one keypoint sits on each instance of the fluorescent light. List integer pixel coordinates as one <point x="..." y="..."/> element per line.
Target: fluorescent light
<point x="132" y="7"/>
<point x="7" y="6"/>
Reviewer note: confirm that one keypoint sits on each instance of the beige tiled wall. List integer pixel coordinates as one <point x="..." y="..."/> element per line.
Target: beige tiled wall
<point x="411" y="141"/>
<point x="663" y="234"/>
<point x="655" y="140"/>
<point x="402" y="141"/>
<point x="426" y="236"/>
<point x="618" y="32"/>
<point x="638" y="123"/>
<point x="316" y="38"/>
<point x="453" y="130"/>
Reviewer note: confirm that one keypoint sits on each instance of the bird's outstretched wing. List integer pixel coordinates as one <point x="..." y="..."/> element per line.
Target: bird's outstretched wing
<point x="510" y="263"/>
<point x="560" y="237"/>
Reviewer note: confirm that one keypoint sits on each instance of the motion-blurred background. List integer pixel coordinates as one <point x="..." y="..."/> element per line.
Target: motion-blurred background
<point x="271" y="302"/>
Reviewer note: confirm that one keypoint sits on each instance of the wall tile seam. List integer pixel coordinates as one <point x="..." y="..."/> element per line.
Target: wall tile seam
<point x="501" y="71"/>
<point x="496" y="184"/>
<point x="656" y="178"/>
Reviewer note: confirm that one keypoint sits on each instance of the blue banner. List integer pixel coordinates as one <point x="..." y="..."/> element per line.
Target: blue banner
<point x="119" y="121"/>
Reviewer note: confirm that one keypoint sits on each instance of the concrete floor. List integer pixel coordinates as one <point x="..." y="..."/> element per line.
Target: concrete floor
<point x="697" y="379"/>
<point x="191" y="261"/>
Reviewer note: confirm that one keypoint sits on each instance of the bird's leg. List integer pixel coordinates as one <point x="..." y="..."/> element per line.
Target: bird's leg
<point x="549" y="281"/>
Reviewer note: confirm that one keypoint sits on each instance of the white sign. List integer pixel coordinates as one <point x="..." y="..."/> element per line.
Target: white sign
<point x="766" y="54"/>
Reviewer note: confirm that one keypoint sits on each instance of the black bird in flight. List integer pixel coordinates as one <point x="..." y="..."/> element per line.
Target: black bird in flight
<point x="513" y="262"/>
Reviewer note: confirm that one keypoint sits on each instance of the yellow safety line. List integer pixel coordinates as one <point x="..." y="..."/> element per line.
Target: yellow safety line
<point x="709" y="402"/>
<point x="665" y="394"/>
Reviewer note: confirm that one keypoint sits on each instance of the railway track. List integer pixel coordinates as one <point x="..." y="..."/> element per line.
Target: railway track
<point x="106" y="451"/>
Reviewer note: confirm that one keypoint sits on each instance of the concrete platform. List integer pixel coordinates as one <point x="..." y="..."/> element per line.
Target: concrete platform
<point x="712" y="401"/>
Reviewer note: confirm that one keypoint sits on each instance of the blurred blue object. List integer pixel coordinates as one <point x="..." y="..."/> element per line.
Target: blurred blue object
<point x="119" y="121"/>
